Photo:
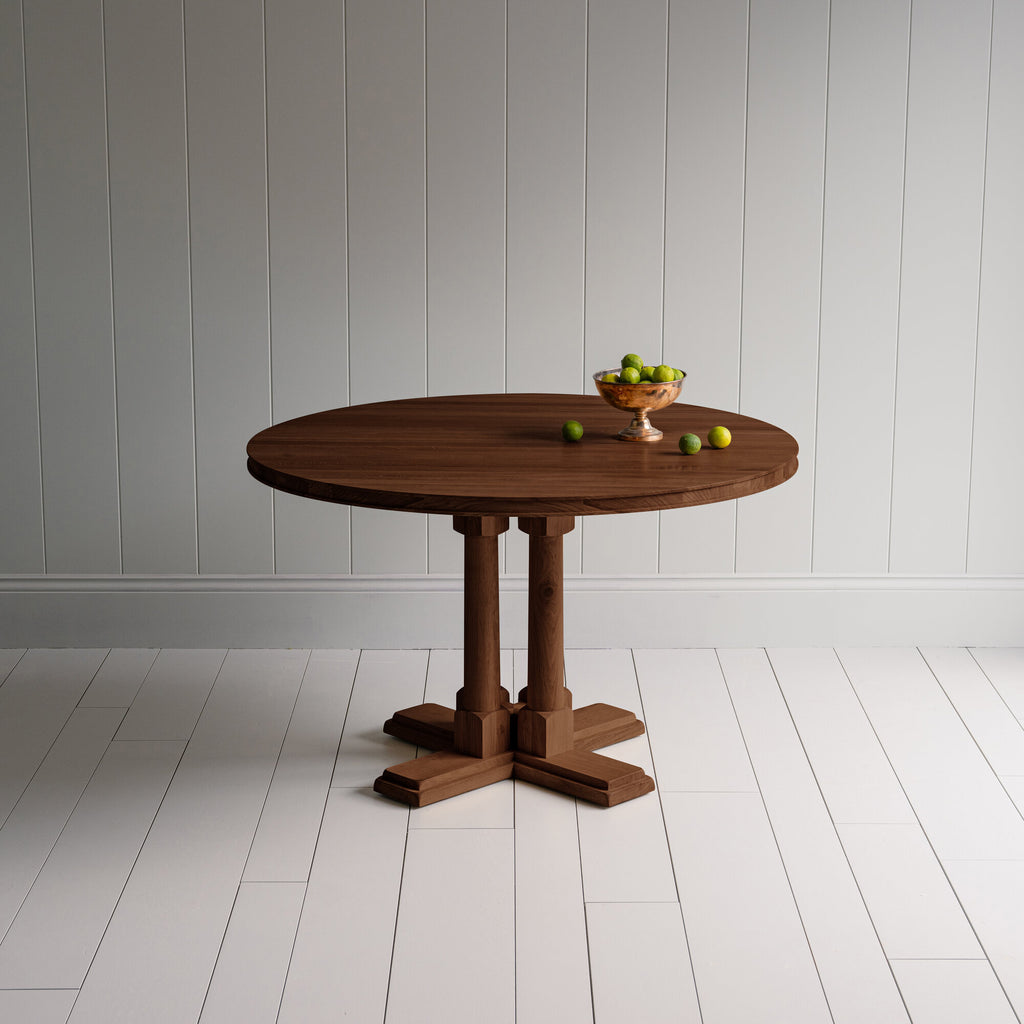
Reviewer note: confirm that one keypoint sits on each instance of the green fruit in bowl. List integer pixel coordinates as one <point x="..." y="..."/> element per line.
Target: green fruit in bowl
<point x="663" y="374"/>
<point x="629" y="375"/>
<point x="632" y="360"/>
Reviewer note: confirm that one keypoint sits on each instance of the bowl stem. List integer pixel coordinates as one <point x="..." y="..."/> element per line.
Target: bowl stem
<point x="640" y="429"/>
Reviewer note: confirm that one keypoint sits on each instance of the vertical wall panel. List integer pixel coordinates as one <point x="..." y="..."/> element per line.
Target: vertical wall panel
<point x="71" y="235"/>
<point x="386" y="198"/>
<point x="547" y="102"/>
<point x="626" y="75"/>
<point x="444" y="546"/>
<point x="996" y="541"/>
<point x="308" y="268"/>
<point x="704" y="244"/>
<point x="228" y="193"/>
<point x="21" y="502"/>
<point x="152" y="305"/>
<point x="388" y="542"/>
<point x="946" y="116"/>
<point x="786" y="91"/>
<point x="385" y="83"/>
<point x="867" y="89"/>
<point x="465" y="196"/>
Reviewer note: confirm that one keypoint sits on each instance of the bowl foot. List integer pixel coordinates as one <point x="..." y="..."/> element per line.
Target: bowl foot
<point x="647" y="433"/>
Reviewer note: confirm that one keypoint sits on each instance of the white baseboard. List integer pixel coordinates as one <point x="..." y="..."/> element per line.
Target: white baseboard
<point x="426" y="611"/>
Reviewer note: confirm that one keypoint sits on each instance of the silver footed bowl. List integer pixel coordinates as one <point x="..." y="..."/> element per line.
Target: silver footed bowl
<point x="641" y="400"/>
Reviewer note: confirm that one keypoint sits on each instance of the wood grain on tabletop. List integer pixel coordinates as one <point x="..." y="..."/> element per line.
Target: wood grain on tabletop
<point x="504" y="454"/>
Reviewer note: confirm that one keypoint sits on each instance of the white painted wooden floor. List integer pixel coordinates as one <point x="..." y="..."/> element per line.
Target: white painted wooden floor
<point x="190" y="836"/>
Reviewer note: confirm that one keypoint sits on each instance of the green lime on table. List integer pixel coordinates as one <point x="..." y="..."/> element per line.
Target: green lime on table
<point x="689" y="444"/>
<point x="629" y="375"/>
<point x="572" y="430"/>
<point x="633" y="360"/>
<point x="719" y="437"/>
<point x="663" y="374"/>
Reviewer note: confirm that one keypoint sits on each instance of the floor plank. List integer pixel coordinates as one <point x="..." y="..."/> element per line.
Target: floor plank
<point x="166" y="931"/>
<point x="171" y="699"/>
<point x="9" y="657"/>
<point x="999" y="735"/>
<point x="43" y="810"/>
<point x="1004" y="667"/>
<point x="952" y="992"/>
<point x="119" y="678"/>
<point x="83" y="877"/>
<point x="750" y="955"/>
<point x="35" y="701"/>
<point x="282" y="849"/>
<point x="386" y="681"/>
<point x="696" y="741"/>
<point x="36" y="1006"/>
<point x="992" y="894"/>
<point x="851" y="767"/>
<point x="623" y="848"/>
<point x="911" y="902"/>
<point x="857" y="980"/>
<point x="552" y="967"/>
<point x="1014" y="785"/>
<point x="342" y="956"/>
<point x="454" y="946"/>
<point x="249" y="978"/>
<point x="641" y="964"/>
<point x="961" y="804"/>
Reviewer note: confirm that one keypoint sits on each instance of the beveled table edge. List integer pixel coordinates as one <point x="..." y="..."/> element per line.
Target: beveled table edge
<point x="469" y="505"/>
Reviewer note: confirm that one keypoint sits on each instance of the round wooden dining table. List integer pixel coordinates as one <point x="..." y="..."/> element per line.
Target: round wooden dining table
<point x="484" y="459"/>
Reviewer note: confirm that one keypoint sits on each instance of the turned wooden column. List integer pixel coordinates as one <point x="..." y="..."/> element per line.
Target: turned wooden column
<point x="481" y="717"/>
<point x="545" y="723"/>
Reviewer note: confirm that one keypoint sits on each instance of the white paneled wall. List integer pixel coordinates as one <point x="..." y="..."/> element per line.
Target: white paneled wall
<point x="220" y="214"/>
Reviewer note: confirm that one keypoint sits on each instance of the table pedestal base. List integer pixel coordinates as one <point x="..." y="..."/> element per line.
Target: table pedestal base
<point x="594" y="777"/>
<point x="486" y="737"/>
<point x="577" y="772"/>
<point x="445" y="773"/>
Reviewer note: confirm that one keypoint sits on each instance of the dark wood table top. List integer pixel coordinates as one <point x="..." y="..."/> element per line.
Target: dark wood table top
<point x="504" y="455"/>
